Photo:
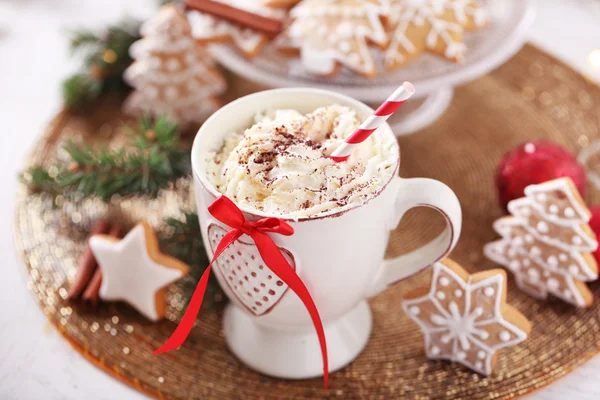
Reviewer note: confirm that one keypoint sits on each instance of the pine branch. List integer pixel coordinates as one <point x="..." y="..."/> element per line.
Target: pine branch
<point x="155" y="161"/>
<point x="105" y="58"/>
<point x="185" y="243"/>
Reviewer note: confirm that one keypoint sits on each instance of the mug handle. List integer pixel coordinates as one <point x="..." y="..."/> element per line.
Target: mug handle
<point x="421" y="192"/>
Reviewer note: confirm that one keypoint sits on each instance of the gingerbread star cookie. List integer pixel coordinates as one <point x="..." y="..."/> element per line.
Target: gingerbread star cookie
<point x="243" y="31"/>
<point x="547" y="243"/>
<point x="333" y="33"/>
<point x="135" y="271"/>
<point x="465" y="318"/>
<point x="436" y="26"/>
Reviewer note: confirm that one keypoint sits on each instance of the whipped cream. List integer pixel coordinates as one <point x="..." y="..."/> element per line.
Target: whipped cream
<point x="281" y="165"/>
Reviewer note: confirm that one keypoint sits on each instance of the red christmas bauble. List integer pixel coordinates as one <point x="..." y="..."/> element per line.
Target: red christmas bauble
<point x="595" y="225"/>
<point x="536" y="162"/>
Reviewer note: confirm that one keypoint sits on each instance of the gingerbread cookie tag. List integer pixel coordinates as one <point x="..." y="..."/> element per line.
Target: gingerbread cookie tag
<point x="135" y="271"/>
<point x="465" y="318"/>
<point x="547" y="243"/>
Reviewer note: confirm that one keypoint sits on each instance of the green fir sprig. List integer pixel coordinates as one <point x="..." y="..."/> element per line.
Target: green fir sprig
<point x="105" y="58"/>
<point x="154" y="160"/>
<point x="184" y="242"/>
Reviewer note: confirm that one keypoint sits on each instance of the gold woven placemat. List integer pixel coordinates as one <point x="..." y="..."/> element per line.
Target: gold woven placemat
<point x="532" y="96"/>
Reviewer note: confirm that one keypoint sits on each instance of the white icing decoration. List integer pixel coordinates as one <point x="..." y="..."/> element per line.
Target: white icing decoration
<point x="444" y="281"/>
<point x="458" y="293"/>
<point x="465" y="326"/>
<point x="417" y="13"/>
<point x="440" y="295"/>
<point x="529" y="238"/>
<point x="505" y="336"/>
<point x="534" y="275"/>
<point x="577" y="240"/>
<point x="543" y="227"/>
<point x="415" y="310"/>
<point x="138" y="283"/>
<point x="514" y="265"/>
<point x="553" y="209"/>
<point x="569" y="212"/>
<point x="552" y="260"/>
<point x="435" y="351"/>
<point x="552" y="284"/>
<point x="563" y="257"/>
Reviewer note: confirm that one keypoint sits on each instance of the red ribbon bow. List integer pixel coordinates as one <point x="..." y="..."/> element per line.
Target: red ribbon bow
<point x="228" y="213"/>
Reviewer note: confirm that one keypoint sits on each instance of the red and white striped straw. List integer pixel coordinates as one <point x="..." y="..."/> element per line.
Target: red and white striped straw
<point x="386" y="110"/>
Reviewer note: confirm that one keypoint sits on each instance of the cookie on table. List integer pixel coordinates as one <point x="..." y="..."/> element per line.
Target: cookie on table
<point x="436" y="26"/>
<point x="329" y="34"/>
<point x="465" y="318"/>
<point x="547" y="243"/>
<point x="213" y="28"/>
<point x="135" y="271"/>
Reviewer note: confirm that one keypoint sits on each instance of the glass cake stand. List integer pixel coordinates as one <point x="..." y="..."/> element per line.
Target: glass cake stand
<point x="433" y="76"/>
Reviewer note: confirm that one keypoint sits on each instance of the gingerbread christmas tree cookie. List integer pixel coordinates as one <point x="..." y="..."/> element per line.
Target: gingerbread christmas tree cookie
<point x="173" y="76"/>
<point x="465" y="318"/>
<point x="435" y="26"/>
<point x="333" y="33"/>
<point x="135" y="271"/>
<point x="547" y="243"/>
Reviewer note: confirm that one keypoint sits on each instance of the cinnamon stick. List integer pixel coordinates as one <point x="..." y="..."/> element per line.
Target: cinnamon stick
<point x="87" y="263"/>
<point x="261" y="23"/>
<point x="92" y="292"/>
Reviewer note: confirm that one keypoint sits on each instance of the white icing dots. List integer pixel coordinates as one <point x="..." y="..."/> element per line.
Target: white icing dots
<point x="526" y="262"/>
<point x="542" y="227"/>
<point x="568" y="295"/>
<point x="478" y="311"/>
<point x="552" y="284"/>
<point x="435" y="351"/>
<point x="461" y="355"/>
<point x="458" y="293"/>
<point x="529" y="238"/>
<point x="444" y="281"/>
<point x="414" y="310"/>
<point x="576" y="240"/>
<point x="479" y="365"/>
<point x="553" y="209"/>
<point x="534" y="275"/>
<point x="484" y="335"/>
<point x="173" y="64"/>
<point x="569" y="212"/>
<point x="552" y="261"/>
<point x="481" y="354"/>
<point x="573" y="270"/>
<point x="535" y="251"/>
<point x="563" y="257"/>
<point x="440" y="295"/>
<point x="541" y="197"/>
<point x="514" y="265"/>
<point x="518" y="241"/>
<point x="505" y="336"/>
<point x="489" y="291"/>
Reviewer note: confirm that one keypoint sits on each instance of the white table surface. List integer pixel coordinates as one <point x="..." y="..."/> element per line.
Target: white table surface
<point x="35" y="363"/>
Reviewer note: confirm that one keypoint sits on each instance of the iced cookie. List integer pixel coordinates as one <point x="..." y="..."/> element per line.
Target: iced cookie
<point x="547" y="243"/>
<point x="436" y="26"/>
<point x="333" y="33"/>
<point x="465" y="318"/>
<point x="247" y="24"/>
<point x="172" y="76"/>
<point x="135" y="271"/>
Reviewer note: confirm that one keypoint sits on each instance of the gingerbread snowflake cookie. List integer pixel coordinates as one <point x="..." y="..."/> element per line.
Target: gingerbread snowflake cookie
<point x="465" y="318"/>
<point x="436" y="26"/>
<point x="547" y="243"/>
<point x="333" y="33"/>
<point x="135" y="271"/>
<point x="241" y="32"/>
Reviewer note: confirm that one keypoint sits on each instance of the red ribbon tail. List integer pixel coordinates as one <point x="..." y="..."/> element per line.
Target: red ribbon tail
<point x="187" y="322"/>
<point x="272" y="256"/>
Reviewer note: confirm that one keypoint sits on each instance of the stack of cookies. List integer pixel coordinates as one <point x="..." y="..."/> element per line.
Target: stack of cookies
<point x="363" y="36"/>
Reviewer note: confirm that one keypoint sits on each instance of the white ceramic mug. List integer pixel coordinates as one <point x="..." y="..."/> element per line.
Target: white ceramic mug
<point x="338" y="255"/>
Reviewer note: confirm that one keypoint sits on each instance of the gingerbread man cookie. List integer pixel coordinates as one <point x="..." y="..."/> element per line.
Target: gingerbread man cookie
<point x="333" y="33"/>
<point x="135" y="271"/>
<point x="436" y="26"/>
<point x="547" y="243"/>
<point x="465" y="318"/>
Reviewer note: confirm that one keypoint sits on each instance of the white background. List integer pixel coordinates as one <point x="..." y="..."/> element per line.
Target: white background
<point x="35" y="363"/>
